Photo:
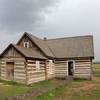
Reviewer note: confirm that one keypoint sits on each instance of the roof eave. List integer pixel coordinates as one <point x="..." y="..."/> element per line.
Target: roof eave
<point x="36" y="58"/>
<point x="11" y="45"/>
<point x="92" y="57"/>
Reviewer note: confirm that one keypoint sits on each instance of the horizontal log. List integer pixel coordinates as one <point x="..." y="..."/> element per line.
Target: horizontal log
<point x="3" y="74"/>
<point x="82" y="62"/>
<point x="19" y="68"/>
<point x="76" y="61"/>
<point x="31" y="77"/>
<point x="31" y="64"/>
<point x="61" y="68"/>
<point x="82" y="69"/>
<point x="63" y="71"/>
<point x="3" y="62"/>
<point x="32" y="72"/>
<point x="19" y="63"/>
<point x="3" y="70"/>
<point x="82" y="74"/>
<point x="37" y="74"/>
<point x="19" y="78"/>
<point x="3" y="65"/>
<point x="88" y="65"/>
<point x="14" y="59"/>
<point x="87" y="77"/>
<point x="33" y="61"/>
<point x="35" y="80"/>
<point x="21" y="74"/>
<point x="60" y="73"/>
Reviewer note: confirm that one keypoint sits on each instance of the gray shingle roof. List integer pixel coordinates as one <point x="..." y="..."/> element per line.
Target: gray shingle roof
<point x="81" y="46"/>
<point x="29" y="52"/>
<point x="42" y="45"/>
<point x="26" y="52"/>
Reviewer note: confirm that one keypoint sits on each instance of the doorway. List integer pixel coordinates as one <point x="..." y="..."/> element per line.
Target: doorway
<point x="70" y="68"/>
<point x="10" y="70"/>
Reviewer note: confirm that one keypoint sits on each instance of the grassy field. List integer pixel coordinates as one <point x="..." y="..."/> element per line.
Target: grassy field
<point x="83" y="89"/>
<point x="8" y="88"/>
<point x="76" y="90"/>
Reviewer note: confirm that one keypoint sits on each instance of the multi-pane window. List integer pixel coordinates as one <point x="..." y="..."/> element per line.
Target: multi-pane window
<point x="26" y="44"/>
<point x="51" y="66"/>
<point x="37" y="66"/>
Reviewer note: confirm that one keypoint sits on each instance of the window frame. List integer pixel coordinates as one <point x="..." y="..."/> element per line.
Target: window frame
<point x="51" y="66"/>
<point x="26" y="44"/>
<point x="37" y="66"/>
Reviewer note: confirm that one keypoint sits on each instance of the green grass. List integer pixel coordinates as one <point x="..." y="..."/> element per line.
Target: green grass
<point x="10" y="88"/>
<point x="10" y="83"/>
<point x="50" y="94"/>
<point x="76" y="90"/>
<point x="40" y="84"/>
<point x="87" y="95"/>
<point x="83" y="89"/>
<point x="92" y="93"/>
<point x="96" y="70"/>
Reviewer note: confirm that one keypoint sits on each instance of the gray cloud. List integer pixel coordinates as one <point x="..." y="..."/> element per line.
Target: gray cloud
<point x="69" y="18"/>
<point x="22" y="15"/>
<point x="75" y="17"/>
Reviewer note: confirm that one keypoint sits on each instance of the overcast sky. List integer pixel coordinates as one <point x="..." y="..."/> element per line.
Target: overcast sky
<point x="49" y="18"/>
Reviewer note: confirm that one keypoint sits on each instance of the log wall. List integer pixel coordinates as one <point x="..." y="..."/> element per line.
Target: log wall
<point x="83" y="69"/>
<point x="61" y="70"/>
<point x="11" y="55"/>
<point x="34" y="75"/>
<point x="19" y="69"/>
<point x="50" y="69"/>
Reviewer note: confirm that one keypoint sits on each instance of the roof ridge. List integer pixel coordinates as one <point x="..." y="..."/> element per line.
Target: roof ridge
<point x="71" y="37"/>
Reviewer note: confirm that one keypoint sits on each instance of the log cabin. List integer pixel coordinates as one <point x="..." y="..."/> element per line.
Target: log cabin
<point x="33" y="59"/>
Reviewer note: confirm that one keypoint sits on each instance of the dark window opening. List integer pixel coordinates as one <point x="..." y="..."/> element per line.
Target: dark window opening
<point x="70" y="68"/>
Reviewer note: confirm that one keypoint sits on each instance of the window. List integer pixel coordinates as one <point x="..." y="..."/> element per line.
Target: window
<point x="51" y="66"/>
<point x="37" y="66"/>
<point x="26" y="44"/>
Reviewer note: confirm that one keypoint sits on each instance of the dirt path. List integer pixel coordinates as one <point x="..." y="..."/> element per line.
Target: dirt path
<point x="74" y="88"/>
<point x="35" y="92"/>
<point x="89" y="85"/>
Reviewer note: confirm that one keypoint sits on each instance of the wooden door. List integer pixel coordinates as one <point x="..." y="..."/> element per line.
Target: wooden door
<point x="10" y="70"/>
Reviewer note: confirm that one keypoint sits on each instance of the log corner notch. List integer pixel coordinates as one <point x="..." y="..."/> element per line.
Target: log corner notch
<point x="46" y="73"/>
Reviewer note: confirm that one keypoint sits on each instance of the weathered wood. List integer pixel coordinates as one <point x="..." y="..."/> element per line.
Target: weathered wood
<point x="60" y="68"/>
<point x="82" y="69"/>
<point x="32" y="73"/>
